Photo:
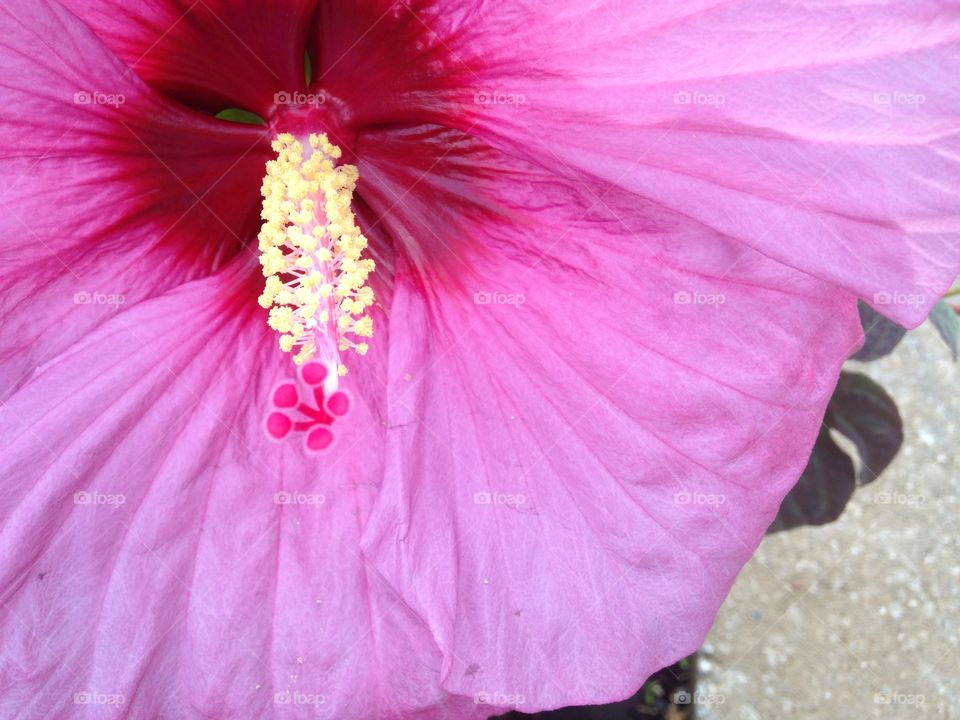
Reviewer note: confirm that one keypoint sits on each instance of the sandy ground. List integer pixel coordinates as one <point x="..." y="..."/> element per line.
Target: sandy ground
<point x="861" y="618"/>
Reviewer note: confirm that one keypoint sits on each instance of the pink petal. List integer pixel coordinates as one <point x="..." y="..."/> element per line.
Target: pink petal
<point x="825" y="136"/>
<point x="830" y="144"/>
<point x="590" y="436"/>
<point x="111" y="195"/>
<point x="157" y="547"/>
<point x="214" y="54"/>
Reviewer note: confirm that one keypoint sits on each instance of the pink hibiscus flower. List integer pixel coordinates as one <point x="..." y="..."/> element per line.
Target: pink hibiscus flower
<point x="599" y="263"/>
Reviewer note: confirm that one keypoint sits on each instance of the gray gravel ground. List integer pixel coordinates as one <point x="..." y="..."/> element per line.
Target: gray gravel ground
<point x="860" y="618"/>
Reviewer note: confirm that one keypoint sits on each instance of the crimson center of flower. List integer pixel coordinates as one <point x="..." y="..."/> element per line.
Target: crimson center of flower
<point x="312" y="253"/>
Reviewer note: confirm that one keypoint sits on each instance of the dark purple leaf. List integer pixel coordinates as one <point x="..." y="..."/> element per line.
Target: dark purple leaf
<point x="865" y="413"/>
<point x="862" y="411"/>
<point x="881" y="335"/>
<point x="823" y="490"/>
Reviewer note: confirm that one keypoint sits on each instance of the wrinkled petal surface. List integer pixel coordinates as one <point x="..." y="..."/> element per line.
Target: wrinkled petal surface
<point x="686" y="223"/>
<point x="824" y="136"/>
<point x="635" y="394"/>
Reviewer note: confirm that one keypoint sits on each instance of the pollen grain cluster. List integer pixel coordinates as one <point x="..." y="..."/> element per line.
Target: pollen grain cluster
<point x="311" y="251"/>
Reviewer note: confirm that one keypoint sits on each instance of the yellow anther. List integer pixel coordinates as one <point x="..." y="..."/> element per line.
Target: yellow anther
<point x="312" y="252"/>
<point x="363" y="327"/>
<point x="281" y="319"/>
<point x="273" y="285"/>
<point x="304" y="295"/>
<point x="286" y="297"/>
